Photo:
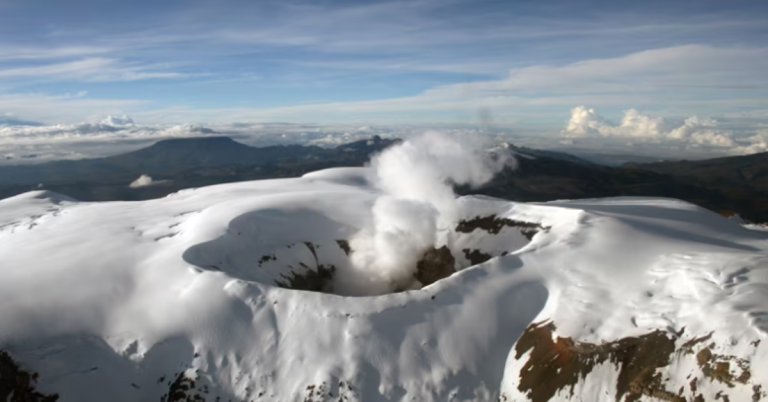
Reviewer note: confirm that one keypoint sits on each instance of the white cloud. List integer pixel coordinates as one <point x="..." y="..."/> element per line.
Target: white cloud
<point x="113" y="135"/>
<point x="756" y="144"/>
<point x="527" y="96"/>
<point x="34" y="144"/>
<point x="66" y="108"/>
<point x="685" y="68"/>
<point x="421" y="35"/>
<point x="698" y="74"/>
<point x="702" y="131"/>
<point x="43" y="53"/>
<point x="586" y="122"/>
<point x="146" y="180"/>
<point x="142" y="181"/>
<point x="111" y="129"/>
<point x="94" y="69"/>
<point x="705" y="79"/>
<point x="695" y="131"/>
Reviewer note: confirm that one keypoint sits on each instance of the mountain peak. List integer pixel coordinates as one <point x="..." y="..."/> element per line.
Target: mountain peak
<point x="217" y="140"/>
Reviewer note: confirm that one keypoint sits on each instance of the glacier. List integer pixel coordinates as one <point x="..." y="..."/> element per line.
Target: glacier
<point x="177" y="298"/>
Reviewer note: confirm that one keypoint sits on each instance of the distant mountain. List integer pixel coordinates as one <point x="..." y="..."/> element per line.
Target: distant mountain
<point x="550" y="154"/>
<point x="169" y="157"/>
<point x="611" y="159"/>
<point x="728" y="185"/>
<point x="749" y="170"/>
<point x="735" y="185"/>
<point x="181" y="163"/>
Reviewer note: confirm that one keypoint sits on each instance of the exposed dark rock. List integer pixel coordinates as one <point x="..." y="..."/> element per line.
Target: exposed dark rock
<point x="716" y="184"/>
<point x="557" y="364"/>
<point x="344" y="245"/>
<point x="436" y="264"/>
<point x="267" y="258"/>
<point x="476" y="256"/>
<point x="757" y="392"/>
<point x="182" y="389"/>
<point x="309" y="279"/>
<point x="560" y="363"/>
<point x="17" y="384"/>
<point x="311" y="248"/>
<point x="318" y="280"/>
<point x="493" y="225"/>
<point x="718" y="367"/>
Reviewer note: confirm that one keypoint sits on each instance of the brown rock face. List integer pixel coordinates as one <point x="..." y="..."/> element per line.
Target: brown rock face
<point x="559" y="363"/>
<point x="436" y="264"/>
<point x="556" y="364"/>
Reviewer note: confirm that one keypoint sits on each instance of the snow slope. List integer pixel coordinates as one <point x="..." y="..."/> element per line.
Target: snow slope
<point x="117" y="301"/>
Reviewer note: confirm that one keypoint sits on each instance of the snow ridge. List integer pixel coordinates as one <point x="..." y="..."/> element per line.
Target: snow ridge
<point x="134" y="299"/>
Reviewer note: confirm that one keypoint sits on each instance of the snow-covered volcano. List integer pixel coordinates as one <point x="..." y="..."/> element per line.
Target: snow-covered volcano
<point x="195" y="297"/>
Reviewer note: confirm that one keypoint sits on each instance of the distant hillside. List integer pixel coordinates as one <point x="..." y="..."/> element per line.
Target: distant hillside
<point x="550" y="154"/>
<point x="750" y="170"/>
<point x="181" y="163"/>
<point x="727" y="185"/>
<point x="168" y="157"/>
<point x="735" y="185"/>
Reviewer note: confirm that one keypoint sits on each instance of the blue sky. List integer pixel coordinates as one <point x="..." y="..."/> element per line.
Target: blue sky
<point x="525" y="63"/>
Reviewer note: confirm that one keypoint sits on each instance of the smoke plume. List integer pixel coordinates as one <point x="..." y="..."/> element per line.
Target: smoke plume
<point x="416" y="180"/>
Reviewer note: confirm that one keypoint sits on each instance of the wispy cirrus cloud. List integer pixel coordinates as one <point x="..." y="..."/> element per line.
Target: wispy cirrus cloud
<point x="67" y="108"/>
<point x="685" y="67"/>
<point x="638" y="79"/>
<point x="48" y="53"/>
<point x="635" y="80"/>
<point x="526" y="64"/>
<point x="90" y="69"/>
<point x="458" y="37"/>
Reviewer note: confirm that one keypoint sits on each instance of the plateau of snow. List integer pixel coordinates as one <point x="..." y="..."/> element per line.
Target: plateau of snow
<point x="114" y="301"/>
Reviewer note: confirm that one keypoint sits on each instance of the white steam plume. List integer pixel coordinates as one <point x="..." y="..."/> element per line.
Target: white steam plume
<point x="142" y="181"/>
<point x="146" y="180"/>
<point x="416" y="178"/>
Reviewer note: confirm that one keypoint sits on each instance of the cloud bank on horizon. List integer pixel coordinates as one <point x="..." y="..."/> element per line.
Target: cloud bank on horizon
<point x="179" y="67"/>
<point x="693" y="132"/>
<point x="586" y="131"/>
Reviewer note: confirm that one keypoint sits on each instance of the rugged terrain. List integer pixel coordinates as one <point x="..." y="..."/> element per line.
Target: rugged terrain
<point x="721" y="187"/>
<point x="177" y="164"/>
<point x="233" y="292"/>
<point x="730" y="186"/>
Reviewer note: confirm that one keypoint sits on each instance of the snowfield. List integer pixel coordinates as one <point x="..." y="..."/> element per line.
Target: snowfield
<point x="177" y="297"/>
